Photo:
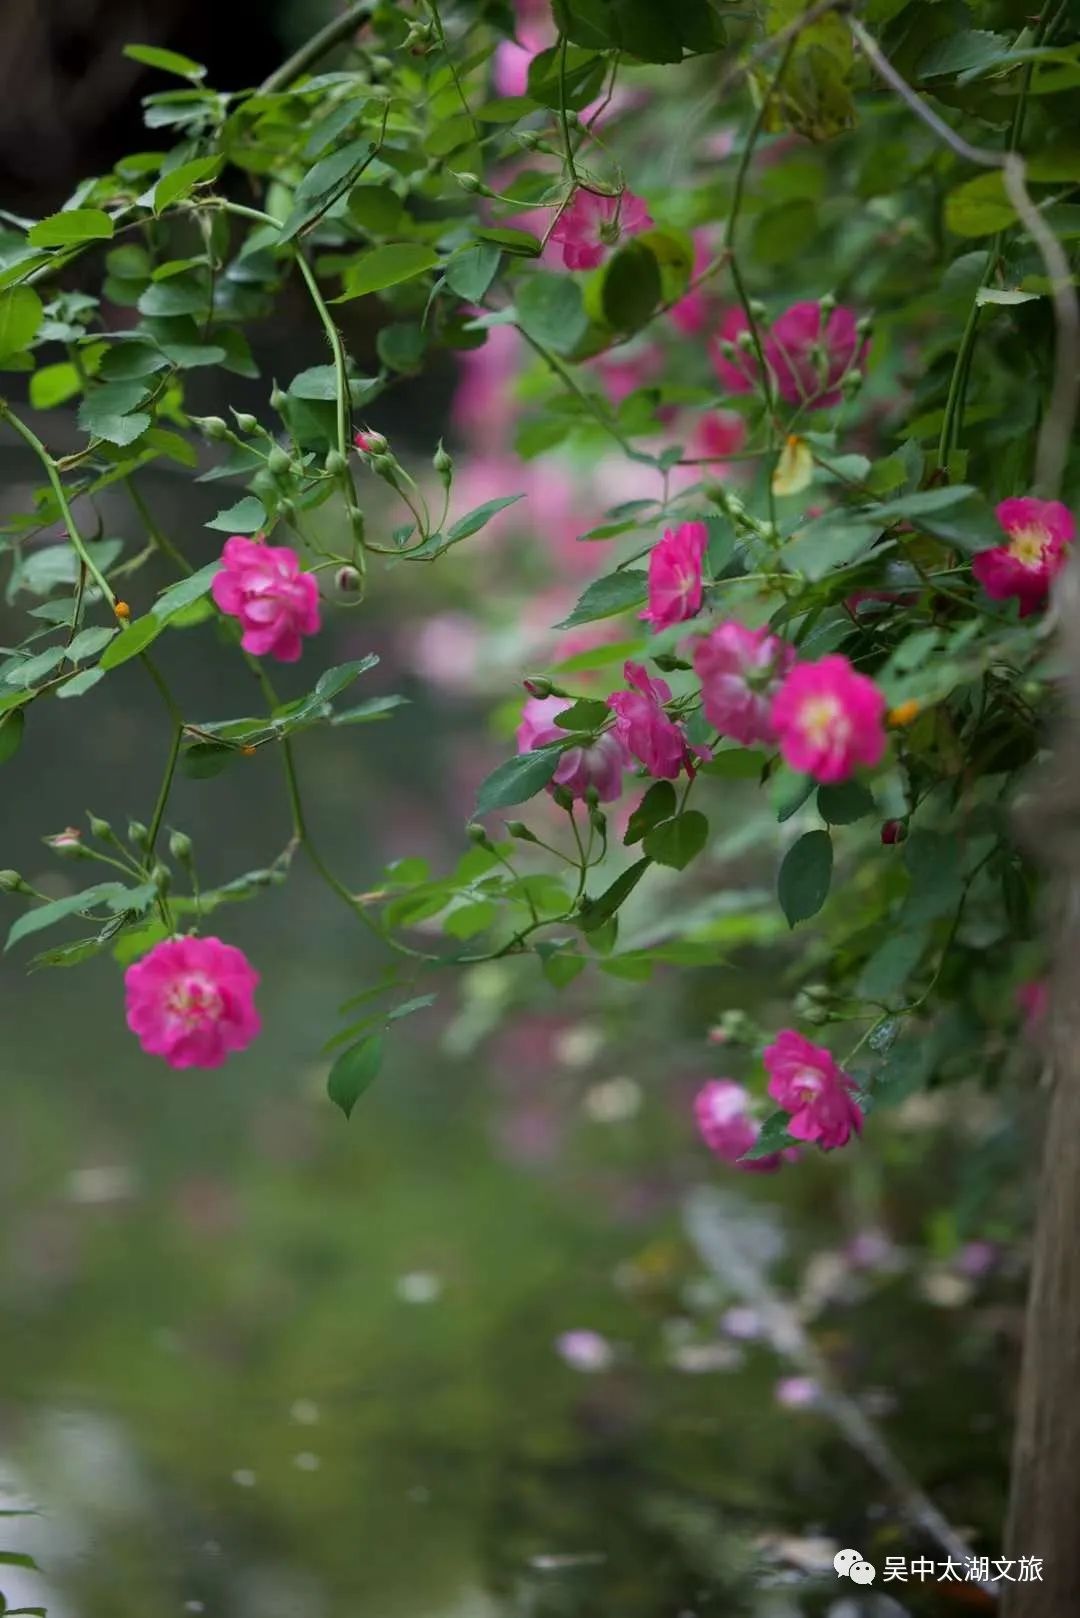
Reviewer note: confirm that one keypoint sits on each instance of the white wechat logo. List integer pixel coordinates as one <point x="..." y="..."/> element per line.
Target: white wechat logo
<point x="850" y="1565"/>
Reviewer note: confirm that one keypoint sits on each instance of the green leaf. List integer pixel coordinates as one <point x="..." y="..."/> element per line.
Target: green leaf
<point x="80" y="684"/>
<point x="110" y="412"/>
<point x="887" y="970"/>
<point x="588" y="713"/>
<point x="979" y="207"/>
<point x="826" y="543"/>
<point x="735" y="764"/>
<point x="479" y="517"/>
<point x="366" y="712"/>
<point x="595" y="913"/>
<point x="843" y="802"/>
<point x="354" y="1070"/>
<point x="181" y="595"/>
<point x="469" y="919"/>
<point x="248" y="516"/>
<point x="805" y="875"/>
<point x="676" y="842"/>
<point x="112" y="894"/>
<point x="966" y="51"/>
<point x="658" y="804"/>
<point x="76" y="225"/>
<point x="53" y="385"/>
<point x="521" y="242"/>
<point x="181" y="181"/>
<point x="322" y="186"/>
<point x="168" y="61"/>
<point x="472" y="269"/>
<point x="773" y="1137"/>
<point x="21" y="314"/>
<point x="517" y="780"/>
<point x="387" y="266"/>
<point x="631" y="287"/>
<point x="12" y="726"/>
<point x="562" y="968"/>
<point x="131" y="641"/>
<point x="202" y="760"/>
<point x="922" y="503"/>
<point x="554" y="84"/>
<point x="88" y="642"/>
<point x="550" y="309"/>
<point x="616" y="592"/>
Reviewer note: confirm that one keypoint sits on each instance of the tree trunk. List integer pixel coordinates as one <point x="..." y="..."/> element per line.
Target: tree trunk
<point x="1044" y="1510"/>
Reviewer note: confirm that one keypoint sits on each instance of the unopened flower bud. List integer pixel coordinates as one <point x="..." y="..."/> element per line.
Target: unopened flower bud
<point x="12" y="882"/>
<point x="419" y="34"/>
<point x="529" y="140"/>
<point x="892" y="832"/>
<point x="564" y="798"/>
<point x="538" y="685"/>
<point x="827" y="303"/>
<point x="850" y="383"/>
<point x="864" y="327"/>
<point x="757" y="308"/>
<point x="598" y="820"/>
<point x="478" y="835"/>
<point x="335" y="463"/>
<point x="161" y="877"/>
<point x="472" y="183"/>
<point x="278" y="400"/>
<point x="348" y="581"/>
<point x="279" y="461"/>
<point x="100" y="828"/>
<point x="369" y="443"/>
<point x="518" y="829"/>
<point x="211" y="426"/>
<point x="592" y="797"/>
<point x="180" y="847"/>
<point x="745" y="341"/>
<point x="727" y="348"/>
<point x="443" y="463"/>
<point x="385" y="466"/>
<point x="68" y="844"/>
<point x="138" y="834"/>
<point x="246" y="422"/>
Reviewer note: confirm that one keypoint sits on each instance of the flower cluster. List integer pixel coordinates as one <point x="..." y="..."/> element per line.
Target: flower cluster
<point x="808" y="351"/>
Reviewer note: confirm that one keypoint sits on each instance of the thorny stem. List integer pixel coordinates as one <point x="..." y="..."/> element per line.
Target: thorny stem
<point x="318" y="46"/>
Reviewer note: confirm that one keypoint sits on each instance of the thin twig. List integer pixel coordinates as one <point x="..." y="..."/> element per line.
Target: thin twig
<point x="317" y="47"/>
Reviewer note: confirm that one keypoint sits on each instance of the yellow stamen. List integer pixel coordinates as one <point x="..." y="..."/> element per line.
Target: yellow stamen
<point x="904" y="712"/>
<point x="1028" y="545"/>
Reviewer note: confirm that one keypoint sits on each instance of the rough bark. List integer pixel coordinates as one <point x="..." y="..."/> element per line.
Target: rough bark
<point x="1044" y="1512"/>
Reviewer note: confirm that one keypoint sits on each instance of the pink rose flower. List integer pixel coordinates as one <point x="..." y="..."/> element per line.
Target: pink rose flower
<point x="692" y="310"/>
<point x="1040" y="532"/>
<point x="740" y="671"/>
<point x="675" y="575"/>
<point x="720" y="433"/>
<point x="805" y="1081"/>
<point x="275" y="601"/>
<point x="721" y="1111"/>
<point x="599" y="765"/>
<point x="192" y="1001"/>
<point x="828" y="719"/>
<point x="592" y="224"/>
<point x="741" y="372"/>
<point x="644" y="728"/>
<point x="808" y="353"/>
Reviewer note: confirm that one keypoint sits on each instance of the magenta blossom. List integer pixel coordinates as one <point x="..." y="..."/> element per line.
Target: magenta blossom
<point x="643" y="726"/>
<point x="725" y="1125"/>
<point x="692" y="310"/>
<point x="593" y="224"/>
<point x="719" y="434"/>
<point x="739" y="373"/>
<point x="809" y="353"/>
<point x="275" y="601"/>
<point x="192" y="1001"/>
<point x="585" y="1350"/>
<point x="805" y="1081"/>
<point x="675" y="575"/>
<point x="600" y="764"/>
<point x="1040" y="532"/>
<point x="828" y="719"/>
<point x="740" y="671"/>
